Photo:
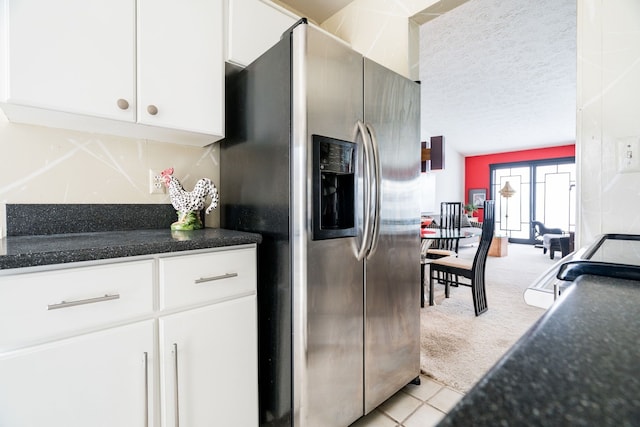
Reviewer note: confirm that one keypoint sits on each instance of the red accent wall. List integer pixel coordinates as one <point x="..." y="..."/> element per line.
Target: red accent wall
<point x="476" y="168"/>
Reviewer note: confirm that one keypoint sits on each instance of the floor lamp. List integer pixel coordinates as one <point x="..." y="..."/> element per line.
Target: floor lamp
<point x="507" y="191"/>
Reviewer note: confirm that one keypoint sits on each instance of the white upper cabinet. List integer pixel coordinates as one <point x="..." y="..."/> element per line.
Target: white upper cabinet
<point x="180" y="67"/>
<point x="253" y="27"/>
<point x="76" y="56"/>
<point x="145" y="69"/>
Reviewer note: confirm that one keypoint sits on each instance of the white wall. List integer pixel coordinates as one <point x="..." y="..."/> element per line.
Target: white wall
<point x="608" y="113"/>
<point x="445" y="185"/>
<point x="381" y="31"/>
<point x="450" y="180"/>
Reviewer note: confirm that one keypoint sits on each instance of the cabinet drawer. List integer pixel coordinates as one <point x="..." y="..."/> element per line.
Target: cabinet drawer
<point x="192" y="279"/>
<point x="38" y="306"/>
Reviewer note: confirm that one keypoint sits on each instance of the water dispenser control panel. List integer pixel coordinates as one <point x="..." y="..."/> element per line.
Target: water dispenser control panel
<point x="334" y="164"/>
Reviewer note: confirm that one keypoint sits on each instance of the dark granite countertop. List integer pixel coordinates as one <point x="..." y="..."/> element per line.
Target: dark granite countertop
<point x="46" y="234"/>
<point x="38" y="250"/>
<point x="577" y="366"/>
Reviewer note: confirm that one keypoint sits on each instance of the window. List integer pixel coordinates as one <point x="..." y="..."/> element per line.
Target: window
<point x="544" y="191"/>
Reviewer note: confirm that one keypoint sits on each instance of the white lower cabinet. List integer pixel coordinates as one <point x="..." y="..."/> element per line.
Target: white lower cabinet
<point x="209" y="366"/>
<point x="101" y="379"/>
<point x="84" y="346"/>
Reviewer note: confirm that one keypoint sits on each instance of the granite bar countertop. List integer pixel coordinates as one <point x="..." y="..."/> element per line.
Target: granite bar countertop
<point x="38" y="250"/>
<point x="577" y="366"/>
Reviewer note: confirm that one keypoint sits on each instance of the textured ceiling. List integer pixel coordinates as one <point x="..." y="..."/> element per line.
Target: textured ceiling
<point x="500" y="75"/>
<point x="496" y="75"/>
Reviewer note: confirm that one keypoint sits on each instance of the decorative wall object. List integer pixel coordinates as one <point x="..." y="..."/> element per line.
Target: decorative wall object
<point x="433" y="154"/>
<point x="437" y="153"/>
<point x="189" y="203"/>
<point x="477" y="197"/>
<point x="425" y="156"/>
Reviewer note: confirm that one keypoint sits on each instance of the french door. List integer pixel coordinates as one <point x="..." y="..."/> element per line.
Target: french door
<point x="544" y="191"/>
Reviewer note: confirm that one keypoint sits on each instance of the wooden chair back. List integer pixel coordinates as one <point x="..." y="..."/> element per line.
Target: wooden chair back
<point x="488" y="229"/>
<point x="450" y="220"/>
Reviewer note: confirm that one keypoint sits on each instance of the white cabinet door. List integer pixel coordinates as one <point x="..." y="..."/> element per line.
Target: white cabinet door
<point x="74" y="56"/>
<point x="211" y="354"/>
<point x="180" y="65"/>
<point x="136" y="68"/>
<point x="101" y="380"/>
<point x="254" y="27"/>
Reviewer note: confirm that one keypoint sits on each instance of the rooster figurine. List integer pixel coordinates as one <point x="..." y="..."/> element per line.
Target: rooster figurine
<point x="189" y="203"/>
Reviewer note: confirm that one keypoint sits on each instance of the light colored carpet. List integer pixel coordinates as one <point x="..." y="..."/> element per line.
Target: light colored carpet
<point x="458" y="348"/>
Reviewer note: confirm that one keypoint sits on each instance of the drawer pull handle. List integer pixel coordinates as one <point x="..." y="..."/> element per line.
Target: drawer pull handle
<point x="176" y="396"/>
<point x="145" y="361"/>
<point x="211" y="279"/>
<point x="65" y="304"/>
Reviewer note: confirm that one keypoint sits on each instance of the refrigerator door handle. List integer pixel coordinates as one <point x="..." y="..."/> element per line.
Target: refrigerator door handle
<point x="367" y="184"/>
<point x="377" y="180"/>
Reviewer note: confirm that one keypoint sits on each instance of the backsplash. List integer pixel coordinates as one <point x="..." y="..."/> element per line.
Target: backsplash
<point x="53" y="166"/>
<point x="41" y="219"/>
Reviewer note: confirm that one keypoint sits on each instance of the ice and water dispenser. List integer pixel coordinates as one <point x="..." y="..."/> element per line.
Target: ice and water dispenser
<point x="334" y="164"/>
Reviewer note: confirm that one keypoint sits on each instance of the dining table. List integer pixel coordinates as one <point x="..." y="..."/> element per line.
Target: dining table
<point x="432" y="234"/>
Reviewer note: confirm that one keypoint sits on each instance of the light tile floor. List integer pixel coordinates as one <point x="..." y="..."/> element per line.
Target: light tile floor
<point x="421" y="405"/>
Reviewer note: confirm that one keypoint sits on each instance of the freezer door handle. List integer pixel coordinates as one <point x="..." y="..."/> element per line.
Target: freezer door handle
<point x="376" y="192"/>
<point x="367" y="180"/>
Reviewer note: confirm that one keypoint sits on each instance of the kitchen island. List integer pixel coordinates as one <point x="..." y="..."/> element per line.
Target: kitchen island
<point x="578" y="365"/>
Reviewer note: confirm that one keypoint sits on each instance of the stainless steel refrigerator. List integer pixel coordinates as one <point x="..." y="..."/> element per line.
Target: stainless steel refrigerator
<point x="322" y="158"/>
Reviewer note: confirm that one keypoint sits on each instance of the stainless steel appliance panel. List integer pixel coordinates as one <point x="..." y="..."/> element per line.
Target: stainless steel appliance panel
<point x="392" y="306"/>
<point x="329" y="341"/>
<point x="315" y="368"/>
<point x="256" y="188"/>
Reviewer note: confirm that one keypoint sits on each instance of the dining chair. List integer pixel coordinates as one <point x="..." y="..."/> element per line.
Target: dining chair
<point x="473" y="270"/>
<point x="449" y="221"/>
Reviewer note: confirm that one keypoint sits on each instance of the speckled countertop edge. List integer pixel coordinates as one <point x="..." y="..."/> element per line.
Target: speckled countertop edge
<point x="39" y="250"/>
<point x="577" y="365"/>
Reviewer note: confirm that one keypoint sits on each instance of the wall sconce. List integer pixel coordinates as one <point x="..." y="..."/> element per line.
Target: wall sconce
<point x="434" y="154"/>
<point x="425" y="156"/>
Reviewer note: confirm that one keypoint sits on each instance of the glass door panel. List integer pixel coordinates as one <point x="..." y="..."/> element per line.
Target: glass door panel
<point x="512" y="217"/>
<point x="544" y="191"/>
<point x="555" y="199"/>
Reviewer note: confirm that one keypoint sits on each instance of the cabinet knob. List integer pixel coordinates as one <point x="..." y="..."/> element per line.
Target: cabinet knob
<point x="123" y="104"/>
<point x="152" y="109"/>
